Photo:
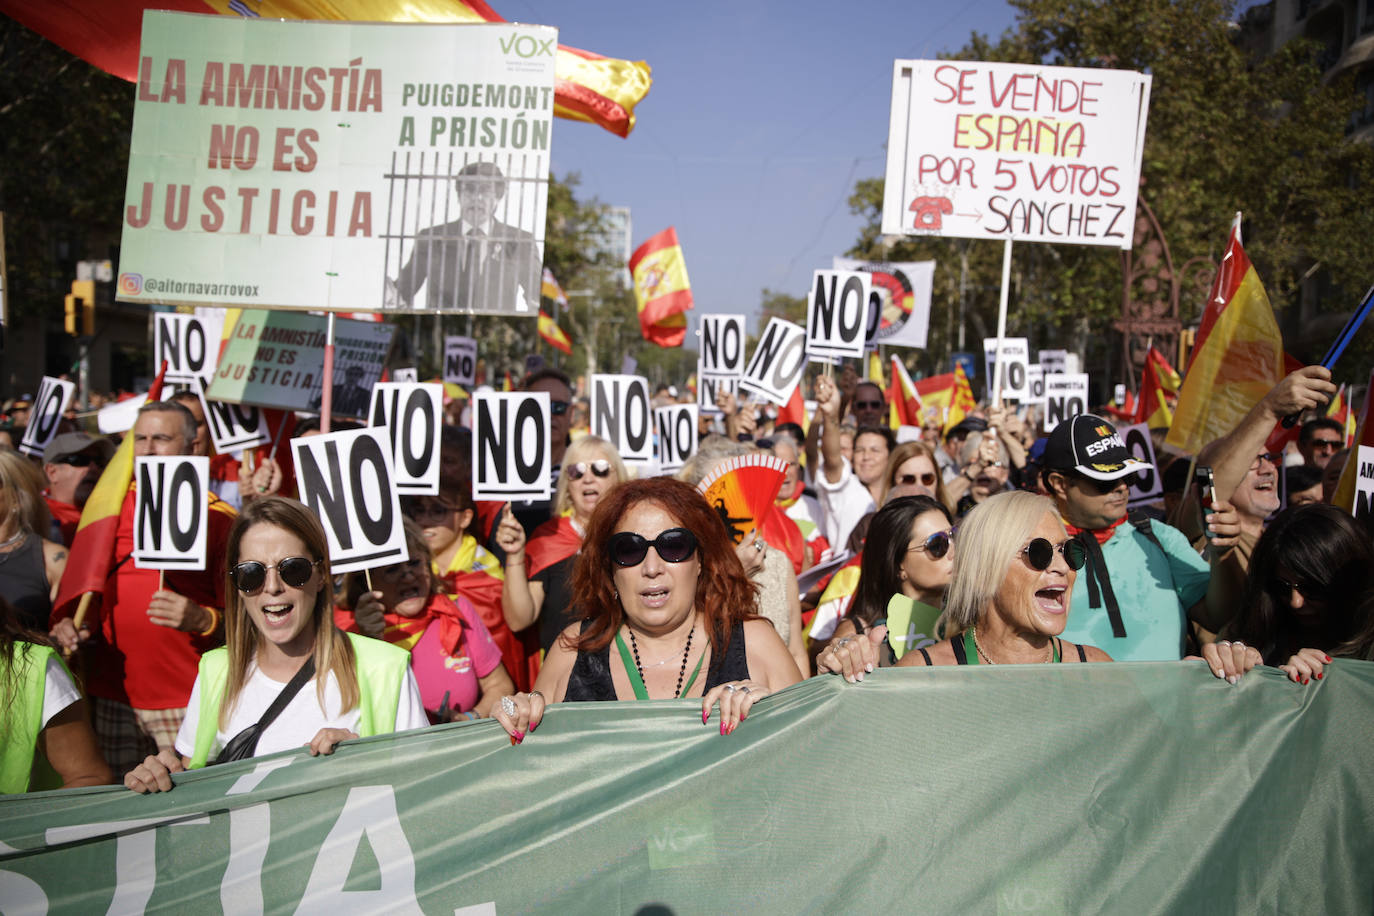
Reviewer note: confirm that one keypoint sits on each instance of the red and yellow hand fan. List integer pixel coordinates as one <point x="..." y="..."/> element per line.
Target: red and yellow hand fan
<point x="741" y="489"/>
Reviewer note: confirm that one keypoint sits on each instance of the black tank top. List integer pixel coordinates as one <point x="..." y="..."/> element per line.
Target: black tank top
<point x="24" y="583"/>
<point x="591" y="672"/>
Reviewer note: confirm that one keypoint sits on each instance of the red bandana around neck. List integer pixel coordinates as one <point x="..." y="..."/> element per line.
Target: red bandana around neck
<point x="1103" y="535"/>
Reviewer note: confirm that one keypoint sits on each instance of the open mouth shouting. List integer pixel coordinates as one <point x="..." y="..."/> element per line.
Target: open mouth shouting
<point x="1052" y="600"/>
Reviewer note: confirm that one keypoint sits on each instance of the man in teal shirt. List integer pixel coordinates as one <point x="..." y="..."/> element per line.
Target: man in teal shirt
<point x="1142" y="578"/>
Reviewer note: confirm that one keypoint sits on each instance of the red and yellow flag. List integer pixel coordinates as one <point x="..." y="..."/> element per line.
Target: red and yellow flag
<point x="662" y="290"/>
<point x="553" y="335"/>
<point x="1238" y="356"/>
<point x="587" y="86"/>
<point x="903" y="401"/>
<point x="93" y="548"/>
<point x="1341" y="411"/>
<point x="794" y="411"/>
<point x="551" y="290"/>
<point x="950" y="394"/>
<point x="1157" y="381"/>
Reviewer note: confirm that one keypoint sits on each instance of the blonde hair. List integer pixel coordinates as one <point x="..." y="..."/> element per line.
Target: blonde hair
<point x="587" y="448"/>
<point x="242" y="639"/>
<point x="988" y="540"/>
<point x="23" y="484"/>
<point x="900" y="456"/>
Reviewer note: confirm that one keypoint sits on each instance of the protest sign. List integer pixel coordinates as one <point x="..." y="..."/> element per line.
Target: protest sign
<point x="338" y="165"/>
<point x="837" y="318"/>
<point x="412" y="414"/>
<point x="1015" y="361"/>
<point x="1000" y="151"/>
<point x="460" y="360"/>
<point x="189" y="344"/>
<point x="721" y="359"/>
<point x="54" y="394"/>
<point x="622" y="416"/>
<point x="510" y="446"/>
<point x="777" y="364"/>
<point x="1146" y="486"/>
<point x="276" y="359"/>
<point x="1364" y="484"/>
<point x="348" y="481"/>
<point x="1035" y="384"/>
<point x="1066" y="396"/>
<point x="901" y="292"/>
<point x="232" y="426"/>
<point x="677" y="435"/>
<point x="1054" y="362"/>
<point x="406" y="374"/>
<point x="170" y="527"/>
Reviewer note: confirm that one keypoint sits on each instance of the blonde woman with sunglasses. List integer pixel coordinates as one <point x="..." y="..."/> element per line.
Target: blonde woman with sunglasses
<point x="538" y="573"/>
<point x="280" y="634"/>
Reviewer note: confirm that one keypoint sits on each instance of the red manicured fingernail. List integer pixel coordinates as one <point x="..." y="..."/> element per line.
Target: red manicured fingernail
<point x="730" y="730"/>
<point x="533" y="725"/>
<point x="1328" y="659"/>
<point x="704" y="716"/>
<point x="1319" y="677"/>
<point x="512" y="741"/>
<point x="1305" y="680"/>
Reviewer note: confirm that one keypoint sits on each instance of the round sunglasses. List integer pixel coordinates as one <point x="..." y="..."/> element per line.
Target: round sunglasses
<point x="1040" y="554"/>
<point x="908" y="480"/>
<point x="250" y="576"/>
<point x="600" y="467"/>
<point x="937" y="545"/>
<point x="676" y="545"/>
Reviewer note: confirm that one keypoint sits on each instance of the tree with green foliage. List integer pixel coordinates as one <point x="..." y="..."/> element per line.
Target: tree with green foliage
<point x="1226" y="131"/>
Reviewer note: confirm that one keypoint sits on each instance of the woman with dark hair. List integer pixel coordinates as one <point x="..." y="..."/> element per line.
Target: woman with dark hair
<point x="658" y="578"/>
<point x="279" y="635"/>
<point x="46" y="741"/>
<point x="903" y="575"/>
<point x="1309" y="595"/>
<point x="455" y="661"/>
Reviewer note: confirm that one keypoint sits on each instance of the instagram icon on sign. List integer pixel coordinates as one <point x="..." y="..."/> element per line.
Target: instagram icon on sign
<point x="131" y="284"/>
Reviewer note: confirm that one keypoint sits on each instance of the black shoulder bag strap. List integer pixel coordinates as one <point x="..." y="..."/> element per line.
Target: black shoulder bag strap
<point x="245" y="743"/>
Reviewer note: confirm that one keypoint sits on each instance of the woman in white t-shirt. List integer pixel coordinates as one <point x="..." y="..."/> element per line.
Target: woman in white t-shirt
<point x="279" y="619"/>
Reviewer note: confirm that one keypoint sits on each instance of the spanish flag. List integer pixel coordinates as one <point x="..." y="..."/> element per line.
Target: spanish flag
<point x="1237" y="359"/>
<point x="1158" y="380"/>
<point x="949" y="393"/>
<point x="93" y="548"/>
<point x="1341" y="411"/>
<point x="550" y="290"/>
<point x="553" y="335"/>
<point x="903" y="401"/>
<point x="662" y="290"/>
<point x="835" y="601"/>
<point x="587" y="86"/>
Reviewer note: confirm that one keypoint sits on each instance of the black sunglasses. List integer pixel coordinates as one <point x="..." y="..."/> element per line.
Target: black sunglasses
<point x="937" y="545"/>
<point x="600" y="467"/>
<point x="558" y="408"/>
<point x="1040" y="554"/>
<point x="1306" y="589"/>
<point x="250" y="576"/>
<point x="926" y="480"/>
<point x="77" y="461"/>
<point x="867" y="405"/>
<point x="1101" y="487"/>
<point x="676" y="545"/>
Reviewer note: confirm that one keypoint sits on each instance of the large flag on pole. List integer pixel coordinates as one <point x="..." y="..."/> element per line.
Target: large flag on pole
<point x="1343" y="413"/>
<point x="662" y="290"/>
<point x="1346" y="490"/>
<point x="551" y="290"/>
<point x="587" y="86"/>
<point x="92" y="551"/>
<point x="1238" y="356"/>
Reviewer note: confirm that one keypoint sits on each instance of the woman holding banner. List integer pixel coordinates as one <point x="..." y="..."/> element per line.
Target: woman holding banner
<point x="658" y="578"/>
<point x="456" y="662"/>
<point x="287" y="676"/>
<point x="591" y="469"/>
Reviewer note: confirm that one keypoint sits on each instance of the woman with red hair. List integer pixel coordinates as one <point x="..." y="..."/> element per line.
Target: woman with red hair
<point x="666" y="612"/>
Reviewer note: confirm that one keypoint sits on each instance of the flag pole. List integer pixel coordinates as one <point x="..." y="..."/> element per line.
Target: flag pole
<point x="1001" y="324"/>
<point x="327" y="383"/>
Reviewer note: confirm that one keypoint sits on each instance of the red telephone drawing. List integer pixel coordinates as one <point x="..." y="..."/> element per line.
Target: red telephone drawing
<point x="928" y="211"/>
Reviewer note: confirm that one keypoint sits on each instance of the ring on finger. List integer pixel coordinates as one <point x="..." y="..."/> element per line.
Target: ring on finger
<point x="508" y="706"/>
<point x="731" y="688"/>
<point x="744" y="689"/>
<point x="843" y="642"/>
<point x="536" y="693"/>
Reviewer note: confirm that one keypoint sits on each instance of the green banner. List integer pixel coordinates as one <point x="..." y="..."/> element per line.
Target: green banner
<point x="1125" y="788"/>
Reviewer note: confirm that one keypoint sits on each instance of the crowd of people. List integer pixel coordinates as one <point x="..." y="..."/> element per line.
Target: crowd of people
<point x="972" y="543"/>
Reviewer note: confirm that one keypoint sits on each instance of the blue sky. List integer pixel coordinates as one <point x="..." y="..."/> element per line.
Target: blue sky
<point x="761" y="118"/>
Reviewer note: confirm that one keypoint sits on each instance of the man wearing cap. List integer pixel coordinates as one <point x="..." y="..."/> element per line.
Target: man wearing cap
<point x="1142" y="577"/>
<point x="72" y="462"/>
<point x="146" y="630"/>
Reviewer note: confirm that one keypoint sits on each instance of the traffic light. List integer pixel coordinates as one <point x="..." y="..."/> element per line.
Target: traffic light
<point x="80" y="311"/>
